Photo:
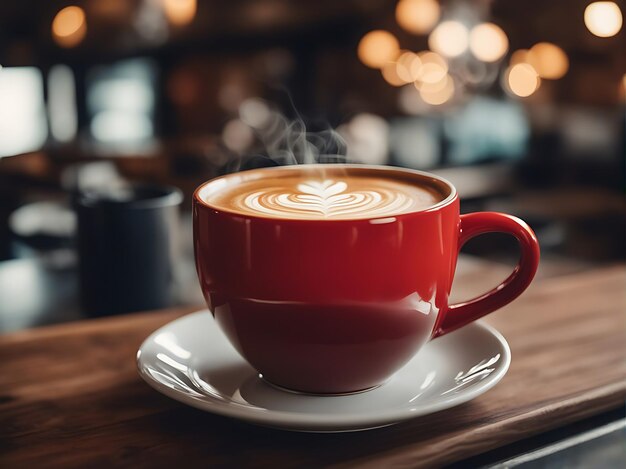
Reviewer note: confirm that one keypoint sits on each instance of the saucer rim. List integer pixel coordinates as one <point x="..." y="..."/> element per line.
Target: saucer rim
<point x="325" y="422"/>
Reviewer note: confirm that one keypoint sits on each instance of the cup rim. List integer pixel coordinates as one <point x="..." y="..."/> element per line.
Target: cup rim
<point x="449" y="199"/>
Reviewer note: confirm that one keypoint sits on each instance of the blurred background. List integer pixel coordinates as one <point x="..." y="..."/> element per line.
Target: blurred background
<point x="522" y="105"/>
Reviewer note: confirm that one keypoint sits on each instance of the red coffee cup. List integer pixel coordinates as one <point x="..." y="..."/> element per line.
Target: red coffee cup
<point x="336" y="306"/>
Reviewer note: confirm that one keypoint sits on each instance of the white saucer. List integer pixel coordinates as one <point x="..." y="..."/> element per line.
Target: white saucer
<point x="190" y="360"/>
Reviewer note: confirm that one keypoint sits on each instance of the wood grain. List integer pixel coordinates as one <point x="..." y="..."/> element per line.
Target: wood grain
<point x="70" y="395"/>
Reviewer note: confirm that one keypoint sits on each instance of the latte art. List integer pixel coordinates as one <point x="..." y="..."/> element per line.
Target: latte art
<point x="329" y="193"/>
<point x="327" y="199"/>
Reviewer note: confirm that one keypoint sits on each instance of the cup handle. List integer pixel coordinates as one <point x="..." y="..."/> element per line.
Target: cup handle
<point x="474" y="224"/>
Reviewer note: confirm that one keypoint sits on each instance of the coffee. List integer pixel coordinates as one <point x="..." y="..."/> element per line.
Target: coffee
<point x="321" y="195"/>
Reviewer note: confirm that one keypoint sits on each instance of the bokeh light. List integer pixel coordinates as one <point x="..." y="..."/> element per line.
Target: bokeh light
<point x="488" y="42"/>
<point x="390" y="74"/>
<point x="604" y="19"/>
<point x="255" y="112"/>
<point x="408" y="66"/>
<point x="522" y="79"/>
<point x="437" y="94"/>
<point x="237" y="136"/>
<point x="180" y="12"/>
<point x="377" y="48"/>
<point x="69" y="26"/>
<point x="449" y="38"/>
<point x="367" y="138"/>
<point x="417" y="16"/>
<point x="432" y="87"/>
<point x="433" y="69"/>
<point x="549" y="60"/>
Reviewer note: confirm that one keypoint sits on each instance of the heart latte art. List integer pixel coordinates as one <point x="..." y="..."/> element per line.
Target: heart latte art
<point x="325" y="197"/>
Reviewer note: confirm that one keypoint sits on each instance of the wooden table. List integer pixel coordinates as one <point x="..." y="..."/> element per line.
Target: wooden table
<point x="70" y="395"/>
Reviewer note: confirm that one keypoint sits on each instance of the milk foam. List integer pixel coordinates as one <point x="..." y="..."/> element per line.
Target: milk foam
<point x="328" y="198"/>
<point x="318" y="196"/>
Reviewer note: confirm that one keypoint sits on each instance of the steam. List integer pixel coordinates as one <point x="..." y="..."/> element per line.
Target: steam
<point x="291" y="143"/>
<point x="276" y="140"/>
